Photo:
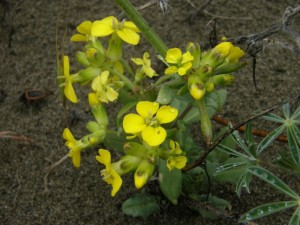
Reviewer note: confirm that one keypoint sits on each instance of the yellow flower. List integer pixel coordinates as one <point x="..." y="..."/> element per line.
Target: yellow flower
<point x="180" y="63"/>
<point x="109" y="174"/>
<point x="176" y="159"/>
<point x="74" y="145"/>
<point x="197" y="91"/>
<point x="145" y="62"/>
<point x="68" y="90"/>
<point x="84" y="30"/>
<point x="148" y="120"/>
<point x="126" y="30"/>
<point x="105" y="89"/>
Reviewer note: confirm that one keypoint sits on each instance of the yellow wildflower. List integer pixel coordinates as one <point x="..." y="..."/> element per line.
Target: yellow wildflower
<point x="179" y="63"/>
<point x="145" y="62"/>
<point x="148" y="121"/>
<point x="126" y="30"/>
<point x="109" y="174"/>
<point x="74" y="145"/>
<point x="68" y="90"/>
<point x="105" y="89"/>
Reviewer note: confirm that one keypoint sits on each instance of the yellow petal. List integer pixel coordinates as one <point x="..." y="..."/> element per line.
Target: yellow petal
<point x="79" y="37"/>
<point x="187" y="57"/>
<point x="129" y="36"/>
<point x="76" y="158"/>
<point x="104" y="27"/>
<point x="166" y="114"/>
<point x="196" y="92"/>
<point x="147" y="109"/>
<point x="85" y="27"/>
<point x="181" y="71"/>
<point x="171" y="70"/>
<point x="96" y="84"/>
<point x="117" y="182"/>
<point x="111" y="94"/>
<point x="67" y="135"/>
<point x="235" y="54"/>
<point x="223" y="48"/>
<point x="138" y="61"/>
<point x="154" y="136"/>
<point x="104" y="157"/>
<point x="93" y="100"/>
<point x="131" y="25"/>
<point x="70" y="93"/>
<point x="173" y="55"/>
<point x="143" y="173"/>
<point x="133" y="123"/>
<point x="66" y="66"/>
<point x="104" y="77"/>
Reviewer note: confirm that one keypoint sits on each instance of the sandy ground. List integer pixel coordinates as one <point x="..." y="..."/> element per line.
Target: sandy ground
<point x="28" y="60"/>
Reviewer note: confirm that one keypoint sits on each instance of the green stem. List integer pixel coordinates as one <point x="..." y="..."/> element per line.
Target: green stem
<point x="205" y="121"/>
<point x="144" y="27"/>
<point x="127" y="82"/>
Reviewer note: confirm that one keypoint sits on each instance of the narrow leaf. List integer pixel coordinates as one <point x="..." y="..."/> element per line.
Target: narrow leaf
<point x="296" y="114"/>
<point x="248" y="133"/>
<point x="295" y="219"/>
<point x="165" y="95"/>
<point x="243" y="182"/>
<point x="274" y="118"/>
<point x="274" y="181"/>
<point x="233" y="152"/>
<point x="286" y="110"/>
<point x="269" y="139"/>
<point x="140" y="205"/>
<point x="266" y="209"/>
<point x="293" y="143"/>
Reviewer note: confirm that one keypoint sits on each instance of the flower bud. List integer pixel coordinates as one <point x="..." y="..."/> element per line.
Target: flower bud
<point x="143" y="173"/>
<point x="194" y="49"/>
<point x="82" y="58"/>
<point x="135" y="149"/>
<point x="89" y="74"/>
<point x="100" y="115"/>
<point x="209" y="86"/>
<point x="223" y="79"/>
<point x="229" y="67"/>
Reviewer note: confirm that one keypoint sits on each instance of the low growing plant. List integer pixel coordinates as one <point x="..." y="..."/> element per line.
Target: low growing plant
<point x="153" y="128"/>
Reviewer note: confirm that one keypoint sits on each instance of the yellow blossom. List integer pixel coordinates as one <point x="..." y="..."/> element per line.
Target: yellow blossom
<point x="105" y="89"/>
<point x="145" y="62"/>
<point x="148" y="121"/>
<point x="84" y="30"/>
<point x="74" y="145"/>
<point x="179" y="63"/>
<point x="109" y="174"/>
<point x="143" y="173"/>
<point x="176" y="159"/>
<point x="235" y="54"/>
<point x="126" y="30"/>
<point x="68" y="89"/>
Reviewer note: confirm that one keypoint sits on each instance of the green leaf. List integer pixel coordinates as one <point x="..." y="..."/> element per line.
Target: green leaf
<point x="215" y="101"/>
<point x="170" y="182"/>
<point x="232" y="170"/>
<point x="233" y="152"/>
<point x="293" y="142"/>
<point x="274" y="118"/>
<point x="248" y="133"/>
<point x="165" y="95"/>
<point x="243" y="182"/>
<point x="140" y="205"/>
<point x="296" y="114"/>
<point x="115" y="141"/>
<point x="266" y="209"/>
<point x="295" y="219"/>
<point x="271" y="179"/>
<point x="241" y="143"/>
<point x="269" y="139"/>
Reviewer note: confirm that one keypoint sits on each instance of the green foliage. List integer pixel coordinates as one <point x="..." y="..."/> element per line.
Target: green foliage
<point x="140" y="205"/>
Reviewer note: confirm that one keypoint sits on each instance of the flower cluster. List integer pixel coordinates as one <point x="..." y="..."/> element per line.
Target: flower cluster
<point x="205" y="70"/>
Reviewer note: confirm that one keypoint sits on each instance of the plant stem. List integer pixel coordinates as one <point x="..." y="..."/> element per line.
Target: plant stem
<point x="144" y="27"/>
<point x="205" y="122"/>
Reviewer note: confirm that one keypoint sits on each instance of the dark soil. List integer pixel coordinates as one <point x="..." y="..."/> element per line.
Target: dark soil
<point x="79" y="196"/>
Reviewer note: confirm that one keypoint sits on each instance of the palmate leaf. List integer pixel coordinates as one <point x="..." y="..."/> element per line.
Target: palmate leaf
<point x="271" y="179"/>
<point x="294" y="142"/>
<point x="269" y="139"/>
<point x="295" y="219"/>
<point x="296" y="114"/>
<point x="233" y="152"/>
<point x="140" y="205"/>
<point x="274" y="118"/>
<point x="286" y="110"/>
<point x="266" y="209"/>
